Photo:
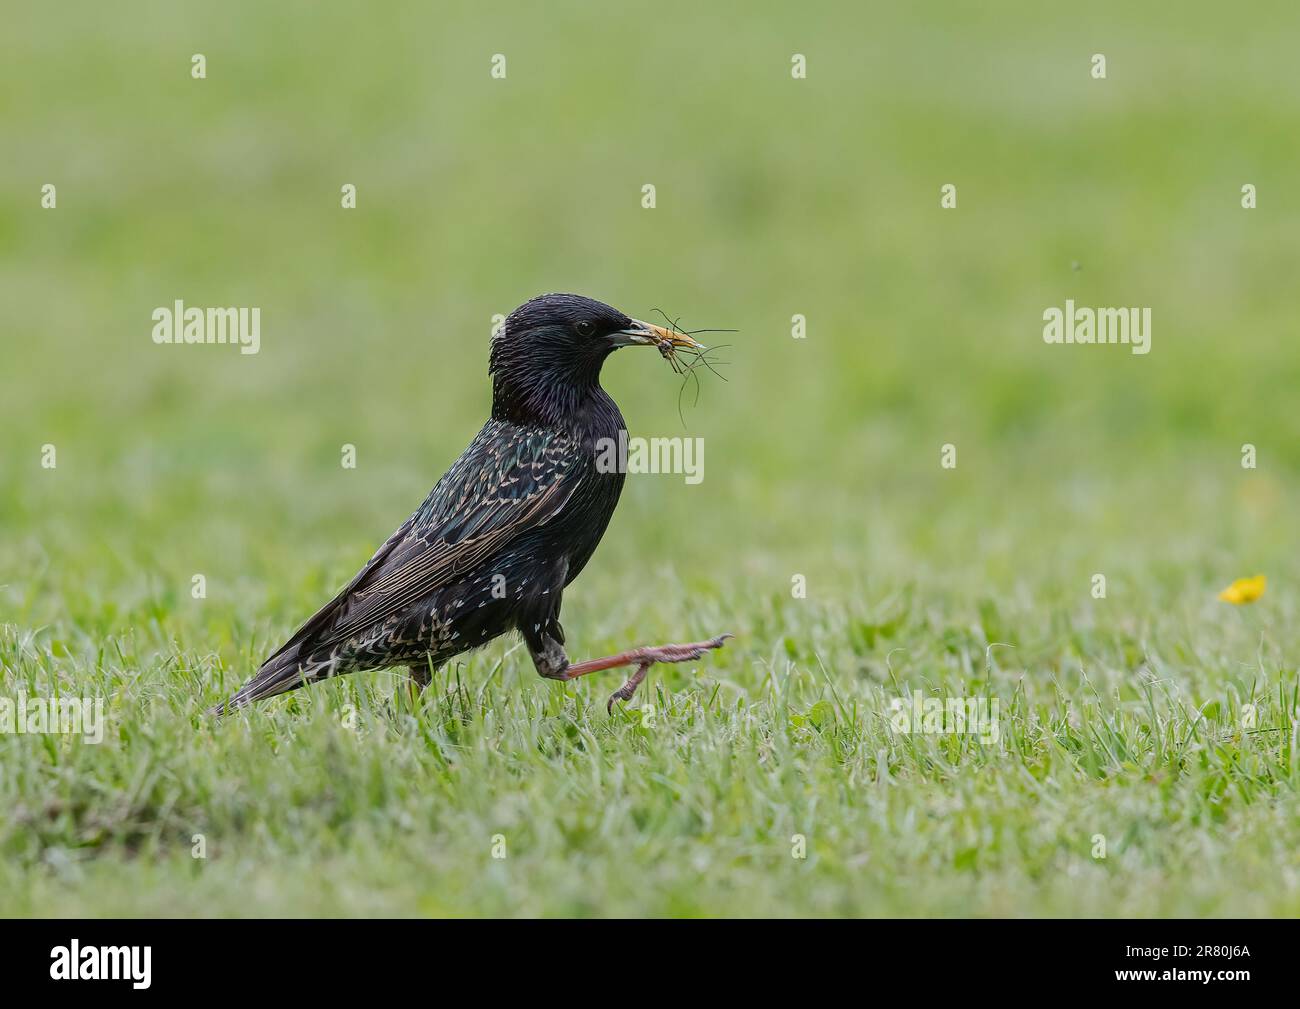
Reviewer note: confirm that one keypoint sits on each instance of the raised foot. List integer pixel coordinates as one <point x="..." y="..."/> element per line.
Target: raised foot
<point x="647" y="657"/>
<point x="679" y="653"/>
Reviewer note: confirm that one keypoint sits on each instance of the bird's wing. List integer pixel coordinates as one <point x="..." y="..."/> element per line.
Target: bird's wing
<point x="508" y="481"/>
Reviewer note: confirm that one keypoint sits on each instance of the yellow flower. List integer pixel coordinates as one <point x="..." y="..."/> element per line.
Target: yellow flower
<point x="1244" y="590"/>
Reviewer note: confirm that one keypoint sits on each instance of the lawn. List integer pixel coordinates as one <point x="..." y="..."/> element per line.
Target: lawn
<point x="1145" y="756"/>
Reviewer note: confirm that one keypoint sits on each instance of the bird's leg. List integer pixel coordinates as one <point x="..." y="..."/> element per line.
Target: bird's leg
<point x="553" y="666"/>
<point x="421" y="677"/>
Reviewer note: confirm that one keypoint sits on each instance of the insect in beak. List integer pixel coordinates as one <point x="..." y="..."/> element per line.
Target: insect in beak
<point x="647" y="334"/>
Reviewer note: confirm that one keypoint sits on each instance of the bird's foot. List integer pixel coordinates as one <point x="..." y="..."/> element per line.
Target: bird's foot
<point x="643" y="659"/>
<point x="679" y="653"/>
<point x="625" y="692"/>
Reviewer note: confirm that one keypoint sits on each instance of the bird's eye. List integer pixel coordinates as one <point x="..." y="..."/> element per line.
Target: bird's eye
<point x="586" y="328"/>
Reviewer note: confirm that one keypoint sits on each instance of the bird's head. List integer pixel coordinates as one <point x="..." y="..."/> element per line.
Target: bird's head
<point x="546" y="358"/>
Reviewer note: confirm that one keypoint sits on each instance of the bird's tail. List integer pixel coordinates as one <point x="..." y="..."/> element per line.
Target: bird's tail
<point x="280" y="673"/>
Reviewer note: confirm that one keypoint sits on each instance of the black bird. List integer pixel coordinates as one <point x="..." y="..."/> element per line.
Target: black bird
<point x="505" y="530"/>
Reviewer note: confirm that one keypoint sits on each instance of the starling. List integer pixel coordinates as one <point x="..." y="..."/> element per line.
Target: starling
<point x="505" y="530"/>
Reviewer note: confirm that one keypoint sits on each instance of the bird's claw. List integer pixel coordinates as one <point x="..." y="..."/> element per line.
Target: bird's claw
<point x="625" y="692"/>
<point x="662" y="653"/>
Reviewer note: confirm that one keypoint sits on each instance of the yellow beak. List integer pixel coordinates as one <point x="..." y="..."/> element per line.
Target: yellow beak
<point x="649" y="335"/>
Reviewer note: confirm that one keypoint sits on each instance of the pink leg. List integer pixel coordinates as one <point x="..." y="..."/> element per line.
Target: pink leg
<point x="643" y="659"/>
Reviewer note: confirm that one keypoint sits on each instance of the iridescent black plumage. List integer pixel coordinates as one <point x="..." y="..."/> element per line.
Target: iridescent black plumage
<point x="512" y="523"/>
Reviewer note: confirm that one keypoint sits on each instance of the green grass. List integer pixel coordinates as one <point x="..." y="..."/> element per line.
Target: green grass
<point x="1120" y="716"/>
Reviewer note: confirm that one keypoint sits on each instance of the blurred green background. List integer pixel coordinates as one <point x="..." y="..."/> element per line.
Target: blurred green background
<point x="775" y="197"/>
